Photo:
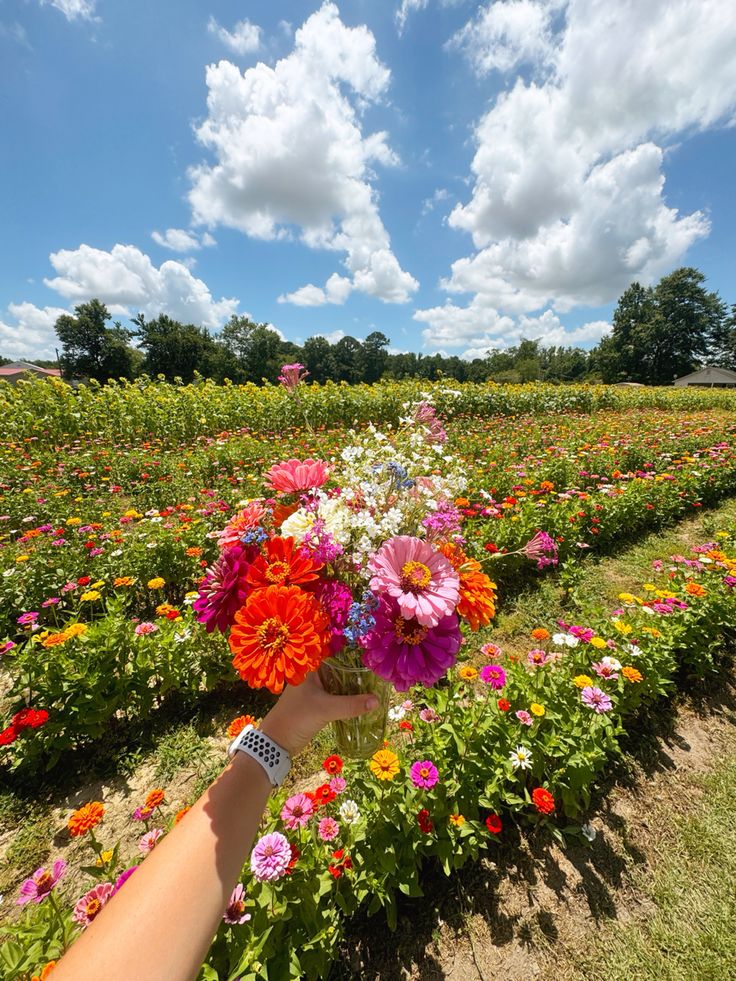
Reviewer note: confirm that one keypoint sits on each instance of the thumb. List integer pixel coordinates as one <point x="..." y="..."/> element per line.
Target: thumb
<point x="349" y="706"/>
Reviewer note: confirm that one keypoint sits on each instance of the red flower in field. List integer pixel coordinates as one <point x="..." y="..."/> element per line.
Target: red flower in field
<point x="405" y="724"/>
<point x="543" y="800"/>
<point x="341" y="864"/>
<point x="323" y="795"/>
<point x="84" y="581"/>
<point x="490" y="547"/>
<point x="503" y="704"/>
<point x="333" y="765"/>
<point x="8" y="736"/>
<point x="425" y="824"/>
<point x="30" y="718"/>
<point x="494" y="824"/>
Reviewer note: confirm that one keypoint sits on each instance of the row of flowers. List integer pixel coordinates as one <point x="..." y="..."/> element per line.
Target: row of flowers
<point x="511" y="738"/>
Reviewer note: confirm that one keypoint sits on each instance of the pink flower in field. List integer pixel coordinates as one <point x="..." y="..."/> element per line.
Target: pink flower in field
<point x="270" y="857"/>
<point x="596" y="699"/>
<point x="606" y="668"/>
<point x="124" y="876"/>
<point x="90" y="905"/>
<point x="249" y="518"/>
<point x="328" y="829"/>
<point x="536" y="658"/>
<point x="145" y="628"/>
<point x="493" y="675"/>
<point x="27" y="619"/>
<point x="542" y="549"/>
<point x="338" y="784"/>
<point x="297" y="811"/>
<point x="429" y="715"/>
<point x="491" y="650"/>
<point x="421" y="581"/>
<point x="235" y="911"/>
<point x="292" y="375"/>
<point x="40" y="884"/>
<point x="9" y="645"/>
<point x="524" y="717"/>
<point x="149" y="840"/>
<point x="424" y="774"/>
<point x="295" y="476"/>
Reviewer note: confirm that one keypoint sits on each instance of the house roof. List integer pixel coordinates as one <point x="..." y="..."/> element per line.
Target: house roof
<point x="708" y="371"/>
<point x="17" y="367"/>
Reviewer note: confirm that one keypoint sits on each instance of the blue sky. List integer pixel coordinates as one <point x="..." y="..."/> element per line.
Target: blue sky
<point x="453" y="173"/>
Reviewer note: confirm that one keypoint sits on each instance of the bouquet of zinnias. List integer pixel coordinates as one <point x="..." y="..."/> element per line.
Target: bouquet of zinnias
<point x="355" y="567"/>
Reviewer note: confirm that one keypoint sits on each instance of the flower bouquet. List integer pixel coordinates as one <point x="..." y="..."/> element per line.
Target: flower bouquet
<point x="353" y="567"/>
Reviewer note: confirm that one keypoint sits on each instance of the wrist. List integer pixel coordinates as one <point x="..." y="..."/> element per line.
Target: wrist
<point x="276" y="729"/>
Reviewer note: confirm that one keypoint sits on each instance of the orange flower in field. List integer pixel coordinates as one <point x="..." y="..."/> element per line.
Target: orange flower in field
<point x="45" y="971"/>
<point x="477" y="603"/>
<point x="180" y="814"/>
<point x="467" y="672"/>
<point x="194" y="552"/>
<point x="85" y="818"/>
<point x="237" y="725"/>
<point x="539" y="633"/>
<point x="695" y="589"/>
<point x="279" y="636"/>
<point x="280" y="564"/>
<point x="123" y="581"/>
<point x="632" y="674"/>
<point x="53" y="639"/>
<point x="155" y="799"/>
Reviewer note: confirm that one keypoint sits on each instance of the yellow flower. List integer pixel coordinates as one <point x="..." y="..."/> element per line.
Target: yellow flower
<point x="721" y="534"/>
<point x="76" y="629"/>
<point x="156" y="583"/>
<point x="124" y="581"/>
<point x="384" y="764"/>
<point x="664" y="594"/>
<point x="627" y="597"/>
<point x="457" y="819"/>
<point x="536" y="709"/>
<point x="623" y="628"/>
<point x="649" y="587"/>
<point x="103" y="859"/>
<point x="97" y="585"/>
<point x="90" y="596"/>
<point x="652" y="631"/>
<point x="73" y="521"/>
<point x="467" y="673"/>
<point x="631" y="674"/>
<point x="598" y="642"/>
<point x="582" y="680"/>
<point x="23" y="558"/>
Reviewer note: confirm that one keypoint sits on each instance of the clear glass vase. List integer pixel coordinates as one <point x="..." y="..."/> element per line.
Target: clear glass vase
<point x="358" y="738"/>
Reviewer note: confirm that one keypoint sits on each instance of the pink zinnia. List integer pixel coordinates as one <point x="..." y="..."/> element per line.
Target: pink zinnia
<point x="491" y="650"/>
<point x="235" y="911"/>
<point x="90" y="905"/>
<point x="604" y="670"/>
<point x="429" y="715"/>
<point x="292" y="375"/>
<point x="523" y="716"/>
<point x="337" y="784"/>
<point x="297" y="811"/>
<point x="295" y="476"/>
<point x="143" y="629"/>
<point x="493" y="675"/>
<point x="596" y="699"/>
<point x="124" y="876"/>
<point x="149" y="840"/>
<point x="328" y="829"/>
<point x="424" y="774"/>
<point x="270" y="857"/>
<point x="536" y="658"/>
<point x="421" y="581"/>
<point x="224" y="590"/>
<point x="40" y="884"/>
<point x="246" y="520"/>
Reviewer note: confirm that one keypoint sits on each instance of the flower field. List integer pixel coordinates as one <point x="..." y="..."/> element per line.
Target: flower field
<point x="111" y="503"/>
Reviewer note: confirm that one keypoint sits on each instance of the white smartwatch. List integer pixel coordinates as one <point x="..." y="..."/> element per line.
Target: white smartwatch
<point x="273" y="758"/>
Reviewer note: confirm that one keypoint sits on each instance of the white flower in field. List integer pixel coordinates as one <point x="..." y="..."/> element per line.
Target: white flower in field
<point x="588" y="832"/>
<point x="521" y="758"/>
<point x="151" y="544"/>
<point x="184" y="635"/>
<point x="396" y="713"/>
<point x="7" y="573"/>
<point x="565" y="640"/>
<point x="349" y="812"/>
<point x="116" y="553"/>
<point x="612" y="663"/>
<point x="297" y="525"/>
<point x="633" y="650"/>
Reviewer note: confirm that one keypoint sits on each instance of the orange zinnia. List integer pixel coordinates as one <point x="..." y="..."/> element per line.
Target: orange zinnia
<point x="477" y="603"/>
<point x="279" y="636"/>
<point x="695" y="589"/>
<point x="154" y="799"/>
<point x="539" y="633"/>
<point x="631" y="674"/>
<point x="281" y="565"/>
<point x="181" y="814"/>
<point x="237" y="725"/>
<point x="86" y="818"/>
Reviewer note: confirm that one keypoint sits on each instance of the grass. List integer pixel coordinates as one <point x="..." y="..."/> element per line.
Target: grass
<point x="692" y="933"/>
<point x="30" y="847"/>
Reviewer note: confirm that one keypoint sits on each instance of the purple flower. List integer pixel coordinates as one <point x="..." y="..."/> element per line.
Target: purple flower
<point x="405" y="652"/>
<point x="40" y="884"/>
<point x="493" y="675"/>
<point x="124" y="876"/>
<point x="223" y="590"/>
<point x="337" y="784"/>
<point x="424" y="774"/>
<point x="425" y="414"/>
<point x="542" y="549"/>
<point x="90" y="905"/>
<point x="443" y="523"/>
<point x="270" y="857"/>
<point x="336" y="600"/>
<point x="235" y="911"/>
<point x="297" y="811"/>
<point x="292" y="375"/>
<point x="596" y="699"/>
<point x="328" y="829"/>
<point x="730" y="581"/>
<point x="523" y="716"/>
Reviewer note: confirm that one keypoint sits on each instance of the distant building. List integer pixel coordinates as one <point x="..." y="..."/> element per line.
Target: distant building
<point x="708" y="377"/>
<point x="14" y="371"/>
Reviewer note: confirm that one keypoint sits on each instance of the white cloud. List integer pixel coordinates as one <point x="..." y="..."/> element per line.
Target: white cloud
<point x="407" y="7"/>
<point x="333" y="337"/>
<point x="245" y="38"/>
<point x="32" y="334"/>
<point x="74" y="9"/>
<point x="290" y="153"/>
<point x="127" y="281"/>
<point x="181" y="240"/>
<point x="429" y="204"/>
<point x="568" y="203"/>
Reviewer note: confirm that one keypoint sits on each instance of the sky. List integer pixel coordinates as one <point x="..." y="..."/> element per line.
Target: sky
<point x="458" y="175"/>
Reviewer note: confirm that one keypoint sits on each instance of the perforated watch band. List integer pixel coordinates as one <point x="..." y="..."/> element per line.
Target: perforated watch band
<point x="273" y="758"/>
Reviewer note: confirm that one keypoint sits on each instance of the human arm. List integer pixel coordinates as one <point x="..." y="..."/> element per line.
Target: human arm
<point x="160" y="925"/>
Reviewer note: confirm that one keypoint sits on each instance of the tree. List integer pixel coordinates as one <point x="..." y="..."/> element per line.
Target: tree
<point x="90" y="349"/>
<point x="318" y="358"/>
<point x="374" y="356"/>
<point x="175" y="350"/>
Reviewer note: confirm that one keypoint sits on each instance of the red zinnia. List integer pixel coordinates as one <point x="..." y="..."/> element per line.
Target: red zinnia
<point x="323" y="795"/>
<point x="425" y="824"/>
<point x="83" y="581"/>
<point x="8" y="736"/>
<point x="333" y="765"/>
<point x="406" y="725"/>
<point x="494" y="824"/>
<point x="30" y="718"/>
<point x="280" y="564"/>
<point x="295" y="853"/>
<point x="543" y="800"/>
<point x="503" y="704"/>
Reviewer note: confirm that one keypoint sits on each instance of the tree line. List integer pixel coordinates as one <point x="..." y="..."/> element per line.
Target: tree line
<point x="658" y="334"/>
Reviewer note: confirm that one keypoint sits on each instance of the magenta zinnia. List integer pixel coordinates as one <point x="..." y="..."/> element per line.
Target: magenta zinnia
<point x="424" y="774"/>
<point x="297" y="811"/>
<point x="270" y="857"/>
<point x="596" y="699"/>
<point x="40" y="884"/>
<point x="493" y="675"/>
<point x="223" y="590"/>
<point x="90" y="905"/>
<point x="421" y="581"/>
<point x="405" y="652"/>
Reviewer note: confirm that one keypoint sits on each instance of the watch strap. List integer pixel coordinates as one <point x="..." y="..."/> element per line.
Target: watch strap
<point x="273" y="758"/>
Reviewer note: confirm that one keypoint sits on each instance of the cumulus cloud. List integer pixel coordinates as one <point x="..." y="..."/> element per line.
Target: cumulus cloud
<point x="568" y="203"/>
<point x="31" y="332"/>
<point x="128" y="282"/>
<point x="291" y="156"/>
<point x="73" y="9"/>
<point x="245" y="38"/>
<point x="181" y="240"/>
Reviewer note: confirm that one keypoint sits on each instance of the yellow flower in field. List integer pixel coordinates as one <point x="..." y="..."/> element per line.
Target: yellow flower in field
<point x="51" y="640"/>
<point x="598" y="642"/>
<point x="467" y="673"/>
<point x="98" y="585"/>
<point x="457" y="819"/>
<point x="132" y="513"/>
<point x="76" y="629"/>
<point x="73" y="521"/>
<point x="536" y="709"/>
<point x="22" y="558"/>
<point x="90" y="596"/>
<point x="623" y="628"/>
<point x="721" y="534"/>
<point x="156" y="583"/>
<point x="384" y="764"/>
<point x="665" y="594"/>
<point x="652" y="631"/>
<point x="582" y="681"/>
<point x="103" y="859"/>
<point x="650" y="588"/>
<point x="164" y="608"/>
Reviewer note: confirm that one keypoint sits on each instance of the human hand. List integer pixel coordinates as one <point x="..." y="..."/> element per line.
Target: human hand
<point x="303" y="710"/>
